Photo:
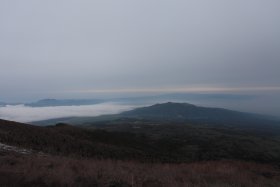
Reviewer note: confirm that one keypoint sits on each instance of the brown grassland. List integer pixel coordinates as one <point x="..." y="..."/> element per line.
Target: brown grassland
<point x="46" y="170"/>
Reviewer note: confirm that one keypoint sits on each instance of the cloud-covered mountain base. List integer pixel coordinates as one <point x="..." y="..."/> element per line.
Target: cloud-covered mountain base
<point x="22" y="113"/>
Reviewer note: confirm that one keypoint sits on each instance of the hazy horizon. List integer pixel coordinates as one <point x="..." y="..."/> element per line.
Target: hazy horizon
<point x="109" y="49"/>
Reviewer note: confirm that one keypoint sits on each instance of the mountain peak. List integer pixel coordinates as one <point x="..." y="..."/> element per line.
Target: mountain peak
<point x="170" y="104"/>
<point x="187" y="112"/>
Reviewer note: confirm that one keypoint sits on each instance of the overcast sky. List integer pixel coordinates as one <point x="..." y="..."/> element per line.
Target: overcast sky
<point x="92" y="48"/>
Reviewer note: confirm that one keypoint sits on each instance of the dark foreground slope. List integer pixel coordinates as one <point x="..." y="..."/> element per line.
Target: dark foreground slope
<point x="136" y="154"/>
<point x="73" y="141"/>
<point x="144" y="141"/>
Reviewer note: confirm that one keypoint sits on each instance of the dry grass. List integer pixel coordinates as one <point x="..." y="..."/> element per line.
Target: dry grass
<point x="32" y="170"/>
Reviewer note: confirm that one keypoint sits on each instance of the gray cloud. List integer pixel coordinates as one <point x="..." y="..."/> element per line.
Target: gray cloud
<point x="51" y="47"/>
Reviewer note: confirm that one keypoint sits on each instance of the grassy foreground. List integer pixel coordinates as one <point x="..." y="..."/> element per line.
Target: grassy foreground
<point x="46" y="170"/>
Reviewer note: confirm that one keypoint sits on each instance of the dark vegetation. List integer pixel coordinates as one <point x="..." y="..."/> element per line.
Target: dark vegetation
<point x="187" y="142"/>
<point x="68" y="140"/>
<point x="144" y="141"/>
<point x="42" y="171"/>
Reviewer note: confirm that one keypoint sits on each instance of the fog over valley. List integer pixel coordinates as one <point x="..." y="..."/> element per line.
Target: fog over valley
<point x="23" y="113"/>
<point x="266" y="103"/>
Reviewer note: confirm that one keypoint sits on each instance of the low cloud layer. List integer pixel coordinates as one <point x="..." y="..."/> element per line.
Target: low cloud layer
<point x="23" y="113"/>
<point x="262" y="103"/>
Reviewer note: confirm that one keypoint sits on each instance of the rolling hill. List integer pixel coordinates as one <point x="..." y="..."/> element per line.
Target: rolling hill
<point x="184" y="111"/>
<point x="166" y="142"/>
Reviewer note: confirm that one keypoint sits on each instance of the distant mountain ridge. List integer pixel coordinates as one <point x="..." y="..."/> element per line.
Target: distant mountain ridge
<point x="188" y="113"/>
<point x="184" y="111"/>
<point x="2" y="104"/>
<point x="64" y="102"/>
<point x="174" y="97"/>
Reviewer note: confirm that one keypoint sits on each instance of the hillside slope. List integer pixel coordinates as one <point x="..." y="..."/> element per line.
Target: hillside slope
<point x="136" y="154"/>
<point x="143" y="141"/>
<point x="67" y="140"/>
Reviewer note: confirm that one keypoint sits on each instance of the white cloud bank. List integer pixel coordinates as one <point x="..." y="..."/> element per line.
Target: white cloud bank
<point x="23" y="113"/>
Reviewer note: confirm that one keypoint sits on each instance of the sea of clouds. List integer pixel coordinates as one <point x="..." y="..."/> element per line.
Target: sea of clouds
<point x="22" y="113"/>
